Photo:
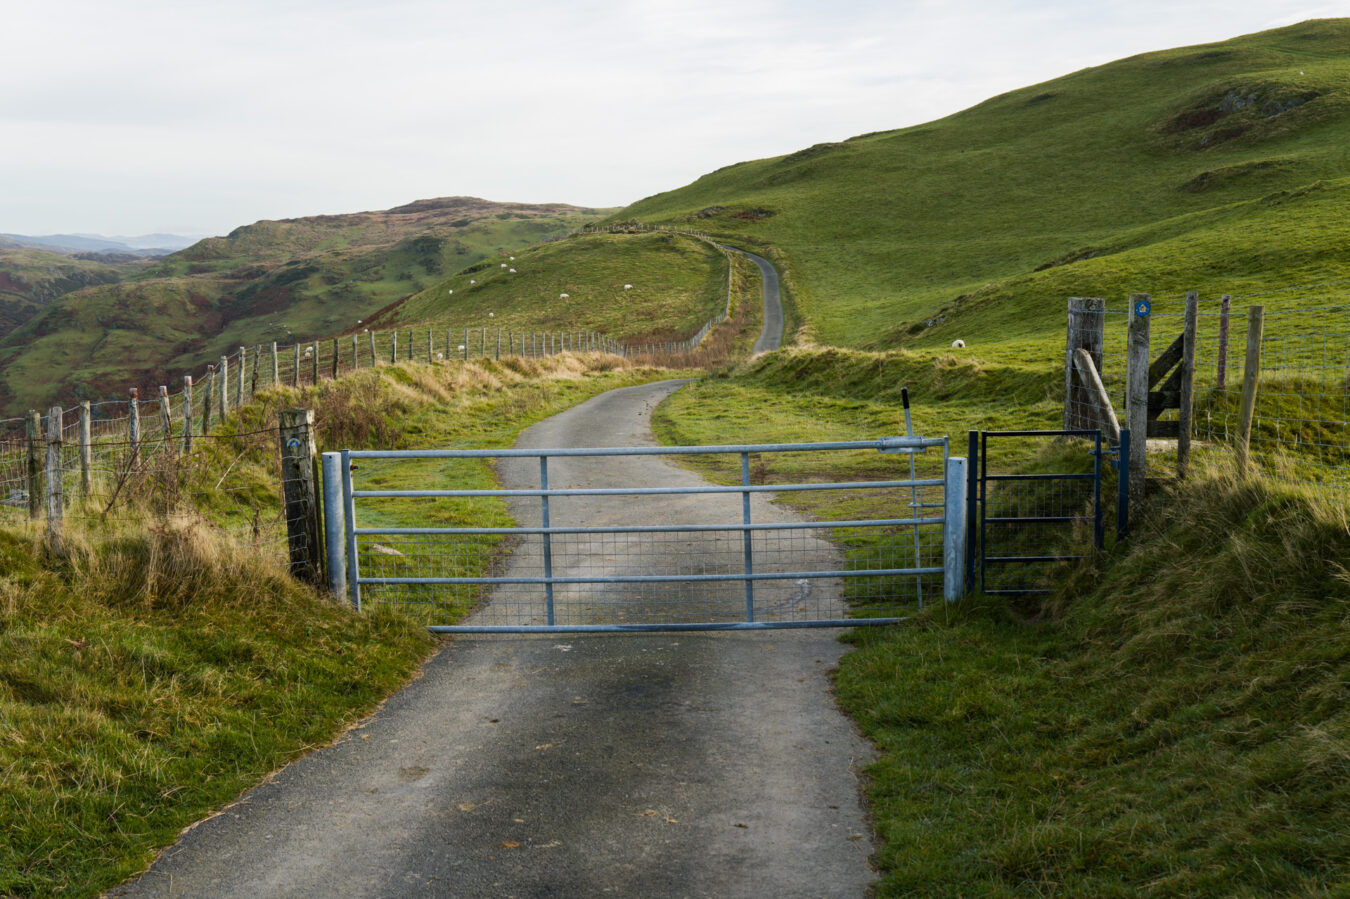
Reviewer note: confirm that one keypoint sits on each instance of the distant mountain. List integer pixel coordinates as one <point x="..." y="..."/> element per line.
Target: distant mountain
<point x="285" y="280"/>
<point x="144" y="245"/>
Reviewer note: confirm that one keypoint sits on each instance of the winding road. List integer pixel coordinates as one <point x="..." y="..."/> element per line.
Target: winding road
<point x="708" y="764"/>
<point x="771" y="335"/>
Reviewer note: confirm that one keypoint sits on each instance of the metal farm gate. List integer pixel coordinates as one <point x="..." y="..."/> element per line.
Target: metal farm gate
<point x="569" y="542"/>
<point x="1026" y="526"/>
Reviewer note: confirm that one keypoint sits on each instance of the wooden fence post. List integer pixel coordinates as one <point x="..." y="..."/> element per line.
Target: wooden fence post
<point x="187" y="414"/>
<point x="223" y="376"/>
<point x="1087" y="327"/>
<point x="356" y="359"/>
<point x="335" y="358"/>
<point x="55" y="497"/>
<point x="276" y="366"/>
<point x="431" y="354"/>
<point x="33" y="427"/>
<point x="298" y="459"/>
<point x="1185" y="414"/>
<point x="466" y="344"/>
<point x="1251" y="376"/>
<point x="257" y="361"/>
<point x="295" y="375"/>
<point x="243" y="370"/>
<point x="208" y="400"/>
<point x="87" y="447"/>
<point x="1221" y="376"/>
<point x="314" y="362"/>
<point x="1136" y="393"/>
<point x="133" y="420"/>
<point x="165" y="417"/>
<point x="393" y="347"/>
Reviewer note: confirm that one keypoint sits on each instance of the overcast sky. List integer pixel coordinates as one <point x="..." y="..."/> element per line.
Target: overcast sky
<point x="196" y="116"/>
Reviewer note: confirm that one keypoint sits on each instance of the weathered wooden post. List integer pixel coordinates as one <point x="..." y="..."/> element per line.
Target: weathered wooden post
<point x="410" y="344"/>
<point x="466" y="344"/>
<point x="276" y="366"/>
<point x="482" y="344"/>
<point x="87" y="448"/>
<point x="393" y="347"/>
<point x="314" y="362"/>
<point x="55" y="497"/>
<point x="33" y="429"/>
<point x="1185" y="414"/>
<point x="239" y="398"/>
<point x="1136" y="392"/>
<point x="133" y="421"/>
<point x="223" y="378"/>
<point x="208" y="399"/>
<point x="1087" y="327"/>
<point x="165" y="417"/>
<point x="299" y="491"/>
<point x="431" y="355"/>
<point x="1251" y="377"/>
<point x="497" y="353"/>
<point x="257" y="361"/>
<point x="187" y="414"/>
<point x="335" y="358"/>
<point x="295" y="373"/>
<point x="1221" y="375"/>
<point x="356" y="356"/>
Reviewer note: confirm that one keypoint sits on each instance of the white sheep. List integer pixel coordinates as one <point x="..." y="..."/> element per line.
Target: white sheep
<point x="562" y="296"/>
<point x="628" y="287"/>
<point x="958" y="344"/>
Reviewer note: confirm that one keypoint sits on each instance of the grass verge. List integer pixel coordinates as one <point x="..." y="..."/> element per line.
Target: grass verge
<point x="167" y="664"/>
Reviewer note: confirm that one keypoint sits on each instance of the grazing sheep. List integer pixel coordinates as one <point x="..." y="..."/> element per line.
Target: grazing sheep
<point x="958" y="344"/>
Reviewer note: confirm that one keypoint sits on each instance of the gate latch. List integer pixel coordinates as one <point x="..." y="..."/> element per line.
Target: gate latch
<point x="905" y="444"/>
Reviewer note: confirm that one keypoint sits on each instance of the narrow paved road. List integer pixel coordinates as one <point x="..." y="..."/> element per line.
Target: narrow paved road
<point x="651" y="765"/>
<point x="771" y="335"/>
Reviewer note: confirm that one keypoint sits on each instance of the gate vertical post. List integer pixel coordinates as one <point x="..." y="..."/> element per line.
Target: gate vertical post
<point x="1251" y="382"/>
<point x="1123" y="487"/>
<point x="548" y="539"/>
<point x="1098" y="518"/>
<point x="349" y="520"/>
<point x="333" y="507"/>
<point x="954" y="530"/>
<point x="187" y="414"/>
<point x="972" y="502"/>
<point x="1136" y="390"/>
<point x="746" y="539"/>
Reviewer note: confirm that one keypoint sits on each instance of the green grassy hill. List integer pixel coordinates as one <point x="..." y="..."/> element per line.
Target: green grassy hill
<point x="286" y="280"/>
<point x="31" y="278"/>
<point x="1220" y="167"/>
<point x="674" y="284"/>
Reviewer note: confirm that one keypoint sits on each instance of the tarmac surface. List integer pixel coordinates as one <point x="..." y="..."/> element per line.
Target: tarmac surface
<point x="691" y="764"/>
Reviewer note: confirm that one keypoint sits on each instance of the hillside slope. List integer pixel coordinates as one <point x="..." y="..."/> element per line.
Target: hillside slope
<point x="1215" y="167"/>
<point x="286" y="280"/>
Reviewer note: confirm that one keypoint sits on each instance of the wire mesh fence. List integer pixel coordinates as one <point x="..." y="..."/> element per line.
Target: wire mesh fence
<point x="1300" y="426"/>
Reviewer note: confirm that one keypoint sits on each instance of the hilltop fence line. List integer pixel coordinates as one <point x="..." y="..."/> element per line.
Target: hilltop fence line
<point x="1271" y="383"/>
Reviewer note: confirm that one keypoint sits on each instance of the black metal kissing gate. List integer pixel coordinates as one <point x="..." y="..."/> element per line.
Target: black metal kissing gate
<point x="1024" y="526"/>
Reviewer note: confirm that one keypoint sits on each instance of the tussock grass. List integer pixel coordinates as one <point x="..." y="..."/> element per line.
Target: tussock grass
<point x="1179" y="727"/>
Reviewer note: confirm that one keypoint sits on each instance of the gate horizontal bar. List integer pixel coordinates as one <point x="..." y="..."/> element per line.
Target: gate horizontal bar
<point x="1043" y="519"/>
<point x="1075" y="433"/>
<point x="667" y="529"/>
<point x="623" y="628"/>
<point x="654" y="578"/>
<point x="649" y="491"/>
<point x="1010" y="559"/>
<point x="884" y="443"/>
<point x="1040" y="477"/>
